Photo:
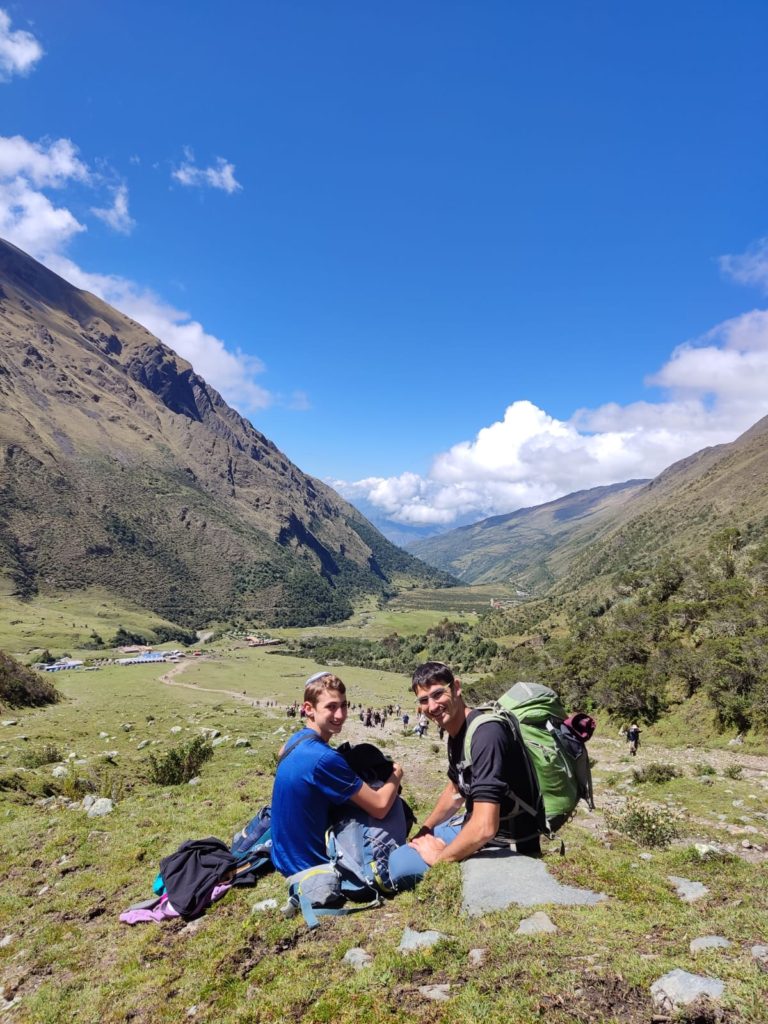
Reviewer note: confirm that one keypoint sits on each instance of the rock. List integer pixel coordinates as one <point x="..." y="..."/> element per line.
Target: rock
<point x="645" y="856"/>
<point x="496" y="879"/>
<point x="680" y="988"/>
<point x="536" y="924"/>
<point x="708" y="942"/>
<point x="706" y="780"/>
<point x="217" y="742"/>
<point x="688" y="890"/>
<point x="241" y="741"/>
<point x="103" y="735"/>
<point x="144" y="743"/>
<point x="737" y="803"/>
<point x="709" y="851"/>
<point x="736" y="741"/>
<point x="60" y="771"/>
<point x="88" y="801"/>
<point x="418" y="940"/>
<point x="126" y="726"/>
<point x="195" y="781"/>
<point x="6" y="940"/>
<point x="10" y="721"/>
<point x="760" y="953"/>
<point x="358" y="958"/>
<point x="192" y="1010"/>
<point x="280" y="731"/>
<point x="210" y="734"/>
<point x="101" y="807"/>
<point x="259" y="908"/>
<point x="111" y="754"/>
<point x="745" y="844"/>
<point x="477" y="957"/>
<point x="175" y="728"/>
<point x="438" y="993"/>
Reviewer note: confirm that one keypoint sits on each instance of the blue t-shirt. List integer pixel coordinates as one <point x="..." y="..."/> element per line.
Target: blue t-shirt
<point x="309" y="780"/>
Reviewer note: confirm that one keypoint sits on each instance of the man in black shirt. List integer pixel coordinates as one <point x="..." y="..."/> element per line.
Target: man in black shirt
<point x="488" y="786"/>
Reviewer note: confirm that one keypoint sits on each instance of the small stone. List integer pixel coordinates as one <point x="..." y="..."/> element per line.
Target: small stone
<point x="101" y="807"/>
<point x="680" y="988"/>
<point x="737" y="803"/>
<point x="111" y="755"/>
<point x="760" y="953"/>
<point x="745" y="844"/>
<point x="6" y="940"/>
<point x="217" y="742"/>
<point x="438" y="993"/>
<point x="736" y="741"/>
<point x="43" y="890"/>
<point x="706" y="780"/>
<point x="144" y="743"/>
<point x="709" y="942"/>
<point x="192" y="1011"/>
<point x="358" y="958"/>
<point x="688" y="890"/>
<point x="10" y="721"/>
<point x="241" y="741"/>
<point x="195" y="781"/>
<point x="709" y="851"/>
<point x="418" y="940"/>
<point x="103" y="735"/>
<point x="60" y="771"/>
<point x="210" y="734"/>
<point x="477" y="957"/>
<point x="175" y="728"/>
<point x="645" y="856"/>
<point x="88" y="801"/>
<point x="126" y="726"/>
<point x="536" y="924"/>
<point x="259" y="908"/>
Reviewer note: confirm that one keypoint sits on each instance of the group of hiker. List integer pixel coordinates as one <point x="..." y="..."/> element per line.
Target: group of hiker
<point x="481" y="803"/>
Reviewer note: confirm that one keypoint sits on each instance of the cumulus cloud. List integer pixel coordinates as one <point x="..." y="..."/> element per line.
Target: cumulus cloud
<point x="19" y="50"/>
<point x="117" y="215"/>
<point x="221" y="175"/>
<point x="715" y="388"/>
<point x="32" y="221"/>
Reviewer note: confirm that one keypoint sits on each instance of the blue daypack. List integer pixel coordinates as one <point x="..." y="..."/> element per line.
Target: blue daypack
<point x="252" y="848"/>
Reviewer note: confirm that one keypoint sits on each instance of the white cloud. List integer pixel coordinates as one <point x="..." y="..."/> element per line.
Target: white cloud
<point x="43" y="164"/>
<point x="19" y="50"/>
<point x="117" y="215"/>
<point x="220" y="176"/>
<point x="716" y="388"/>
<point x="30" y="220"/>
<point x="750" y="267"/>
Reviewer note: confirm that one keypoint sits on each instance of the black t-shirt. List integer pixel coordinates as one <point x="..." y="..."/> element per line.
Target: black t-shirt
<point x="498" y="772"/>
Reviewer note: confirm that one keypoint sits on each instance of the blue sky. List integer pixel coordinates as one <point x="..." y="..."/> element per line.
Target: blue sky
<point x="456" y="257"/>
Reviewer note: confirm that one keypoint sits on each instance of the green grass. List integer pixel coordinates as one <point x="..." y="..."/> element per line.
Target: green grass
<point x="65" y="622"/>
<point x="71" y="960"/>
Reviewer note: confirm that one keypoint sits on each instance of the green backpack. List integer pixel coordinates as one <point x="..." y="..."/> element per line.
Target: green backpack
<point x="557" y="756"/>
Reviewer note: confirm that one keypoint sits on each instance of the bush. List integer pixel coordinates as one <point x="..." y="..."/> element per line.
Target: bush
<point x="703" y="768"/>
<point x="23" y="687"/>
<point x="733" y="771"/>
<point x="49" y="754"/>
<point x="658" y="773"/>
<point x="180" y="764"/>
<point x="647" y="826"/>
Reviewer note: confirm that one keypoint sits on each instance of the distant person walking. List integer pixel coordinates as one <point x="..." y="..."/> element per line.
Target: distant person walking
<point x="633" y="739"/>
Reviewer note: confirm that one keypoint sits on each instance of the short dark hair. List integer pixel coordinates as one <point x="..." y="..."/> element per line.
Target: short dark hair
<point x="432" y="672"/>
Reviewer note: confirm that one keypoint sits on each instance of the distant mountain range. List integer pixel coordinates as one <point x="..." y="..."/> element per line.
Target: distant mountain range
<point x="120" y="466"/>
<point x="571" y="543"/>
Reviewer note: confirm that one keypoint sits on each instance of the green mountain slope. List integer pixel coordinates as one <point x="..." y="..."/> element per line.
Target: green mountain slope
<point x="120" y="466"/>
<point x="522" y="548"/>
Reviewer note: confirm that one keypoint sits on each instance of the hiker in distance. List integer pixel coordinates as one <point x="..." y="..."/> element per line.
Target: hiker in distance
<point x="488" y="787"/>
<point x="312" y="778"/>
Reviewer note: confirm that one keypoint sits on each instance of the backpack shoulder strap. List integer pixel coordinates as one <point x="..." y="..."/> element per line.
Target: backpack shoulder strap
<point x="494" y="713"/>
<point x="489" y="714"/>
<point x="290" y="747"/>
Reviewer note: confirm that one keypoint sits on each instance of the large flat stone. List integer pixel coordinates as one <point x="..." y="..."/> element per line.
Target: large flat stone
<point x="496" y="879"/>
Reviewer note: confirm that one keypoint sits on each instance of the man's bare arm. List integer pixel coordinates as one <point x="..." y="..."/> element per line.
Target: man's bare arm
<point x="480" y="829"/>
<point x="448" y="803"/>
<point x="378" y="802"/>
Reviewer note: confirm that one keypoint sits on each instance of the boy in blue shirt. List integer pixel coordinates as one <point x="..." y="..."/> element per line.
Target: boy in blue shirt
<point x="312" y="778"/>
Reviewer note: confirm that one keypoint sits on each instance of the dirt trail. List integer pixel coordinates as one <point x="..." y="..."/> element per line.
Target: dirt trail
<point x="168" y="679"/>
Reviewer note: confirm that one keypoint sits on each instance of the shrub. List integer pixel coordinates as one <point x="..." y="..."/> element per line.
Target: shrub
<point x="733" y="771"/>
<point x="658" y="773"/>
<point x="23" y="687"/>
<point x="48" y="754"/>
<point x="647" y="826"/>
<point x="703" y="768"/>
<point x="180" y="764"/>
